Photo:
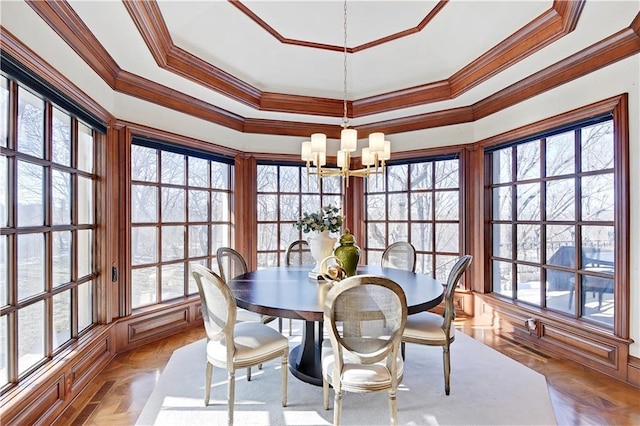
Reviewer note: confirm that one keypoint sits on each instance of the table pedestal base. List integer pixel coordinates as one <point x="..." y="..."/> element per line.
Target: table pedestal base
<point x="305" y="359"/>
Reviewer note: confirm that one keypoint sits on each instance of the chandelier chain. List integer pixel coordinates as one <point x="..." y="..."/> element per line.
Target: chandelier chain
<point x="373" y="158"/>
<point x="345" y="119"/>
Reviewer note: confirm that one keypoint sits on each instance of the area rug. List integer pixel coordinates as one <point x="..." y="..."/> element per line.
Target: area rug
<point x="487" y="388"/>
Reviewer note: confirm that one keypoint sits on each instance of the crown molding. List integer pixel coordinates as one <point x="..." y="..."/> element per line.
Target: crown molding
<point x="605" y="52"/>
<point x="12" y="46"/>
<point x="332" y="47"/>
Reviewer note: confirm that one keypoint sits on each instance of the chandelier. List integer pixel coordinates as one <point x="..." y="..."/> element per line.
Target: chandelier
<point x="373" y="157"/>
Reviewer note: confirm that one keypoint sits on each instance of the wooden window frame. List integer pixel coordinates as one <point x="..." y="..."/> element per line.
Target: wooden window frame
<point x="209" y="259"/>
<point x="617" y="106"/>
<point x="431" y="251"/>
<point x="279" y="222"/>
<point x="10" y="311"/>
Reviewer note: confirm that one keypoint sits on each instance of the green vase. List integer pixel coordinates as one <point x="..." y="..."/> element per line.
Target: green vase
<point x="348" y="252"/>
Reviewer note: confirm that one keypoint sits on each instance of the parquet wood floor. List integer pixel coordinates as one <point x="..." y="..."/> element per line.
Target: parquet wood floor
<point x="579" y="396"/>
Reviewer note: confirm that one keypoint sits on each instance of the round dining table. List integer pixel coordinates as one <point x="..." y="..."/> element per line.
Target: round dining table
<point x="288" y="292"/>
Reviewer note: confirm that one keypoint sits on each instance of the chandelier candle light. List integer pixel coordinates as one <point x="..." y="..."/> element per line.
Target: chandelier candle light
<point x="373" y="157"/>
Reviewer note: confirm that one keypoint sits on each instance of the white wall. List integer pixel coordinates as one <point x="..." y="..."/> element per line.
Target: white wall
<point x="621" y="77"/>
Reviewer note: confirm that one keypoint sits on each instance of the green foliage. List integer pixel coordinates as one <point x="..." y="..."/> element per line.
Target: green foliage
<point x="327" y="219"/>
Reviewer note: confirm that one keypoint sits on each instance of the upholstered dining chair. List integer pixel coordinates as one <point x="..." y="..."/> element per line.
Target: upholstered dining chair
<point x="427" y="328"/>
<point x="233" y="345"/>
<point x="231" y="264"/>
<point x="365" y="315"/>
<point x="298" y="253"/>
<point x="400" y="255"/>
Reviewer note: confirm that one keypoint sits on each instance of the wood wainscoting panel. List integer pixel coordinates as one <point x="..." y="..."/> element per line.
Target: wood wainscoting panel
<point x="48" y="401"/>
<point x="589" y="346"/>
<point x="92" y="363"/>
<point x="43" y="396"/>
<point x="596" y="350"/>
<point x="147" y="327"/>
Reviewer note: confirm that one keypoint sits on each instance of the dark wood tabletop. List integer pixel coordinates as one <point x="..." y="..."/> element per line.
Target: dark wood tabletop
<point x="287" y="291"/>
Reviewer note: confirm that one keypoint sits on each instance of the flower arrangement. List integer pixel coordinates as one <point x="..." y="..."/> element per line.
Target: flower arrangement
<point x="327" y="218"/>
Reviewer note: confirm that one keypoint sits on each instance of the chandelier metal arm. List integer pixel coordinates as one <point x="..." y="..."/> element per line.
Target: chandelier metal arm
<point x="373" y="158"/>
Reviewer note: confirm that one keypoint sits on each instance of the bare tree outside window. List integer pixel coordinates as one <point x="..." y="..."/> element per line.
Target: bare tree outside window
<point x="284" y="193"/>
<point x="48" y="301"/>
<point x="418" y="202"/>
<point x="180" y="215"/>
<point x="553" y="222"/>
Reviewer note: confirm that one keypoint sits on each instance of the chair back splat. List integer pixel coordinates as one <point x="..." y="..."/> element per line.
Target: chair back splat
<point x="366" y="315"/>
<point x="400" y="255"/>
<point x="299" y="253"/>
<point x="231" y="264"/>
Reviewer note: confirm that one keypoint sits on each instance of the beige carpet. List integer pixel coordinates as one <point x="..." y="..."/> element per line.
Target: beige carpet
<point x="487" y="388"/>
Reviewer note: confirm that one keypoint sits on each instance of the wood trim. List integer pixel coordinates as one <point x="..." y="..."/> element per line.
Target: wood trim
<point x="62" y="18"/>
<point x="335" y="48"/>
<point x="633" y="375"/>
<point x="30" y="59"/>
<point x="43" y="396"/>
<point x="149" y="22"/>
<point x="156" y="322"/>
<point x="106" y="249"/>
<point x="145" y="328"/>
<point x="125" y="135"/>
<point x="174" y="138"/>
<point x="50" y="400"/>
<point x="245" y="223"/>
<point x="162" y="95"/>
<point x="588" y="345"/>
<point x="622" y="215"/>
<point x="614" y="48"/>
<point x="602" y="107"/>
<point x="542" y="31"/>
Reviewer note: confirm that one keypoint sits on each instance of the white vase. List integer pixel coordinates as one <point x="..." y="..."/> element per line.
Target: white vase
<point x="321" y="246"/>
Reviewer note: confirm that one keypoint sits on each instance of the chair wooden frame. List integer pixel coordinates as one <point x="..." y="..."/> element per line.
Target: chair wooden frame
<point x="234" y="256"/>
<point x="427" y="328"/>
<point x="404" y="245"/>
<point x="340" y="360"/>
<point x="221" y="328"/>
<point x="300" y="246"/>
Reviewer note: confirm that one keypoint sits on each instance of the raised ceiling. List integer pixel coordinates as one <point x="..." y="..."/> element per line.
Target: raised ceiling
<point x="277" y="66"/>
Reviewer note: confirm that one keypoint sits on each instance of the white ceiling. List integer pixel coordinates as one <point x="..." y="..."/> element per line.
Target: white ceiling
<point x="221" y="34"/>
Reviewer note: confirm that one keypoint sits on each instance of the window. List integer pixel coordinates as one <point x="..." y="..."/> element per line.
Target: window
<point x="553" y="230"/>
<point x="420" y="203"/>
<point x="180" y="214"/>
<point x="284" y="193"/>
<point x="48" y="207"/>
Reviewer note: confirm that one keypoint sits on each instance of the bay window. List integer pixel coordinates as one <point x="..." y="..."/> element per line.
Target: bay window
<point x="180" y="214"/>
<point x="552" y="223"/>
